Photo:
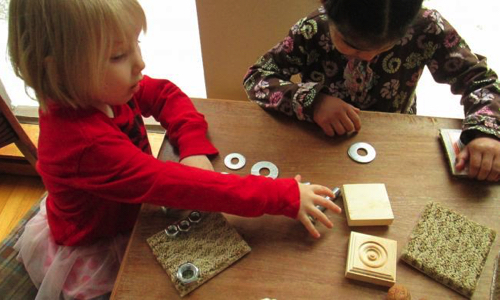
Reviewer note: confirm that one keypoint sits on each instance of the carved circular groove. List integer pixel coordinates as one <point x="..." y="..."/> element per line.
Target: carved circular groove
<point x="372" y="254"/>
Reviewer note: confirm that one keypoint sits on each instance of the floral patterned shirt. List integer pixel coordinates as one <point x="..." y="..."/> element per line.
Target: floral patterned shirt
<point x="387" y="83"/>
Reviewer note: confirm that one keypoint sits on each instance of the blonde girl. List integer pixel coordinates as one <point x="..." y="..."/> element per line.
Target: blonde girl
<point x="83" y="61"/>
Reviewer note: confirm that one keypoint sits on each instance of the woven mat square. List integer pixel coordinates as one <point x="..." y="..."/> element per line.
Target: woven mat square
<point x="449" y="248"/>
<point x="495" y="282"/>
<point x="212" y="245"/>
<point x="15" y="282"/>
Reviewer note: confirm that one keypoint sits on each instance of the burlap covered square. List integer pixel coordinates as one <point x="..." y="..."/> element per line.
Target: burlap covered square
<point x="449" y="248"/>
<point x="212" y="245"/>
<point x="495" y="282"/>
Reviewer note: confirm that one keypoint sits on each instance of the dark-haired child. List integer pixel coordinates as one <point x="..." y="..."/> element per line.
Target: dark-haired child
<point x="357" y="55"/>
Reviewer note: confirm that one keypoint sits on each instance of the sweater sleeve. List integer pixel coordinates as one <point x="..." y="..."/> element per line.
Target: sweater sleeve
<point x="186" y="127"/>
<point x="467" y="73"/>
<point x="268" y="81"/>
<point x="112" y="168"/>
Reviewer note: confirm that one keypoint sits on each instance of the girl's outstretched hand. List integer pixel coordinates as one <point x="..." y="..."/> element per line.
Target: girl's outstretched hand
<point x="335" y="116"/>
<point x="483" y="155"/>
<point x="310" y="196"/>
<point x="198" y="161"/>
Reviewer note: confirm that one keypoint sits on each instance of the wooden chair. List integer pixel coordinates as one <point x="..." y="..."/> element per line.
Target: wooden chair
<point x="12" y="132"/>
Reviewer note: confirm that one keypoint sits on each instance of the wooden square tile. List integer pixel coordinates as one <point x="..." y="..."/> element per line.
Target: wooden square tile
<point x="367" y="204"/>
<point x="371" y="259"/>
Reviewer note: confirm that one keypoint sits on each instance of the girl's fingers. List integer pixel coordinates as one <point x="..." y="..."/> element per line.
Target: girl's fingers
<point x="347" y="123"/>
<point x="327" y="129"/>
<point x="474" y="163"/>
<point x="309" y="226"/>
<point x="339" y="128"/>
<point x="320" y="216"/>
<point x="328" y="204"/>
<point x="493" y="176"/>
<point x="462" y="158"/>
<point x="486" y="166"/>
<point x="332" y="206"/>
<point x="355" y="119"/>
<point x="495" y="170"/>
<point x="322" y="190"/>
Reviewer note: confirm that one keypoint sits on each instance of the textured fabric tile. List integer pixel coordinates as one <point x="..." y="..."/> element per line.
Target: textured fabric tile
<point x="495" y="282"/>
<point x="212" y="245"/>
<point x="449" y="248"/>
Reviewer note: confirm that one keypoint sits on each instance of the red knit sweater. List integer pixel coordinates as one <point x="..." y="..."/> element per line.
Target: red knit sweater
<point x="97" y="169"/>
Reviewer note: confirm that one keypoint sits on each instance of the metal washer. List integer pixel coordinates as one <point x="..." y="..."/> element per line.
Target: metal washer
<point x="273" y="170"/>
<point x="353" y="152"/>
<point x="240" y="164"/>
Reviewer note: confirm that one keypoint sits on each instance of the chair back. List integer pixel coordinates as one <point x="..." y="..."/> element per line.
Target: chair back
<point x="234" y="34"/>
<point x="11" y="131"/>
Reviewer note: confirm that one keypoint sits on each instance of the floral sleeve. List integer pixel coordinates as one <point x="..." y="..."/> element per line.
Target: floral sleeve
<point x="268" y="82"/>
<point x="467" y="73"/>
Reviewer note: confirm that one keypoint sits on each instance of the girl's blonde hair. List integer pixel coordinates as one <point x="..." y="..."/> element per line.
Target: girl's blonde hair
<point x="60" y="47"/>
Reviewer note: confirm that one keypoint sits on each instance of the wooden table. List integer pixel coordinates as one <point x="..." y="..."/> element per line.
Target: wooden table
<point x="285" y="262"/>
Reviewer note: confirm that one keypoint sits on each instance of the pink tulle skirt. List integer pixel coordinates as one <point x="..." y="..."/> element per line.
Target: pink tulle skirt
<point x="64" y="272"/>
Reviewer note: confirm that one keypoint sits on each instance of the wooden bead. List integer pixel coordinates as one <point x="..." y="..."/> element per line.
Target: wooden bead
<point x="398" y="292"/>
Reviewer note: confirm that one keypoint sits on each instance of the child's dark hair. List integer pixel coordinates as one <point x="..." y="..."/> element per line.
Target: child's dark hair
<point x="375" y="22"/>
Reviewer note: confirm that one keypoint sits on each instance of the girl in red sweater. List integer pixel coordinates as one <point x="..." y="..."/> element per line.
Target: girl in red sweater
<point x="82" y="59"/>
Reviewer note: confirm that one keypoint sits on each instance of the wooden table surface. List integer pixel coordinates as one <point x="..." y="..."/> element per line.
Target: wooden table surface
<point x="285" y="262"/>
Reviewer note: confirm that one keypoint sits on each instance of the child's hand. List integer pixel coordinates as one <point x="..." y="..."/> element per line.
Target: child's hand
<point x="310" y="196"/>
<point x="198" y="161"/>
<point x="335" y="116"/>
<point x="483" y="154"/>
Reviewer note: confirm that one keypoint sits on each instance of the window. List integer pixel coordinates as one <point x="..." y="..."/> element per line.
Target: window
<point x="477" y="23"/>
<point x="171" y="49"/>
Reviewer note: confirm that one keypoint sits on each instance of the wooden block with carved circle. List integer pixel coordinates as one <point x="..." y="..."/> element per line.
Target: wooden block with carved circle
<point x="367" y="204"/>
<point x="371" y="259"/>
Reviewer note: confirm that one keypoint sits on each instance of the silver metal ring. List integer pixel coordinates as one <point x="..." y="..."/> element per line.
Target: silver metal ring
<point x="172" y="231"/>
<point x="273" y="170"/>
<point x="184" y="225"/>
<point x="228" y="161"/>
<point x="370" y="152"/>
<point x="187" y="273"/>
<point x="194" y="216"/>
